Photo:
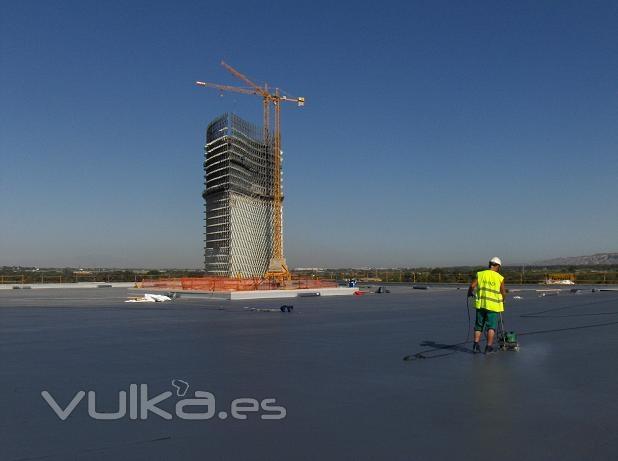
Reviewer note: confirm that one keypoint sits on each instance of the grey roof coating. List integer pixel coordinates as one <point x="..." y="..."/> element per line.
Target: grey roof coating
<point x="335" y="364"/>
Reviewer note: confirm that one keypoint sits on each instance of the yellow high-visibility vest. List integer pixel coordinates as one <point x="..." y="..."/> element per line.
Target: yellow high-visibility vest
<point x="488" y="294"/>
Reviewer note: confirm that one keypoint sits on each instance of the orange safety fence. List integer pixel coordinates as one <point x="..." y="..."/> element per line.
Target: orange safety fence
<point x="235" y="284"/>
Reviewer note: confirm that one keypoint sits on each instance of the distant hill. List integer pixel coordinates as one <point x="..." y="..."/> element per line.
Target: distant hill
<point x="605" y="259"/>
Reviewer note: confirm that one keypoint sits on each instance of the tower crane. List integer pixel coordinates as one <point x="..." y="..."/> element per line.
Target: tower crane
<point x="277" y="267"/>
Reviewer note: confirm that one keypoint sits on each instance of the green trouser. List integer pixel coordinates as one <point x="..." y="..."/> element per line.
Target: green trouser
<point x="486" y="319"/>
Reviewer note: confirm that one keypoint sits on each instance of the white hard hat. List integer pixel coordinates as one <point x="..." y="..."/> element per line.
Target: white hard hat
<point x="495" y="260"/>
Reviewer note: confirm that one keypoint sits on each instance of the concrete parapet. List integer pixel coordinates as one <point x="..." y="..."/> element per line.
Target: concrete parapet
<point x="256" y="294"/>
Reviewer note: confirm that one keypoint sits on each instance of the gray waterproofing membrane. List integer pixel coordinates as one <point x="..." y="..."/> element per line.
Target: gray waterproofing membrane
<point x="335" y="364"/>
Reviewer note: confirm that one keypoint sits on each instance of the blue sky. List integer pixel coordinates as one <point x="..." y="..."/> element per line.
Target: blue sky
<point x="435" y="132"/>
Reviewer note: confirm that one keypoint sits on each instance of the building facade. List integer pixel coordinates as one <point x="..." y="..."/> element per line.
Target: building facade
<point x="238" y="195"/>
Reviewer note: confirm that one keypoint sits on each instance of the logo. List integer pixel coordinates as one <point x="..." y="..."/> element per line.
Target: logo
<point x="138" y="404"/>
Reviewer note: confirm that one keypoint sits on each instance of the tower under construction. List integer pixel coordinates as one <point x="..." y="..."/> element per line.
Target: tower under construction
<point x="239" y="173"/>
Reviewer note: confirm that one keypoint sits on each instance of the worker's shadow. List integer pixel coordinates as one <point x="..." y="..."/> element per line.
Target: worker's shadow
<point x="450" y="347"/>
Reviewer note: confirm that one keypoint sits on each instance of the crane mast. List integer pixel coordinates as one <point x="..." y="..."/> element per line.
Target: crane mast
<point x="277" y="268"/>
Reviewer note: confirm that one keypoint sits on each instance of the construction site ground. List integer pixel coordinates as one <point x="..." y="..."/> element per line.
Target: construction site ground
<point x="335" y="364"/>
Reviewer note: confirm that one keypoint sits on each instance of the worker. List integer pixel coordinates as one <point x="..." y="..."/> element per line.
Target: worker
<point x="489" y="302"/>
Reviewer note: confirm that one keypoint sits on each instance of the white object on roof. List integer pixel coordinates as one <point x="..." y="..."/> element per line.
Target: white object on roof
<point x="149" y="298"/>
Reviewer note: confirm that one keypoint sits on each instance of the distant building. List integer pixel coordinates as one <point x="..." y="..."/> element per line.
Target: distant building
<point x="239" y="173"/>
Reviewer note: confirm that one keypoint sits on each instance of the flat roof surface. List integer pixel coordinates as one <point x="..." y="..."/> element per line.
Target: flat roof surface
<point x="334" y="363"/>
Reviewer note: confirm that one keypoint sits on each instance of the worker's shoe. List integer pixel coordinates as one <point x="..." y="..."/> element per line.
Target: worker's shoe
<point x="476" y="348"/>
<point x="489" y="350"/>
